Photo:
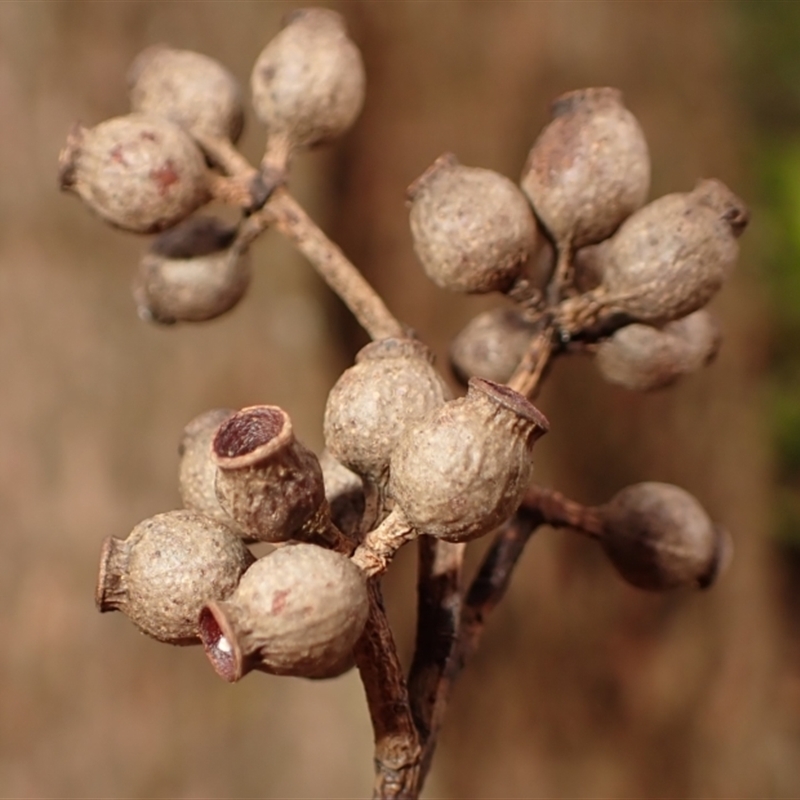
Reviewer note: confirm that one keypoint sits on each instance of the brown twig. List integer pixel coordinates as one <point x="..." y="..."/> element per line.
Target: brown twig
<point x="397" y="746"/>
<point x="378" y="547"/>
<point x="438" y="616"/>
<point x="337" y="271"/>
<point x="529" y="372"/>
<point x="485" y="592"/>
<point x="561" y="512"/>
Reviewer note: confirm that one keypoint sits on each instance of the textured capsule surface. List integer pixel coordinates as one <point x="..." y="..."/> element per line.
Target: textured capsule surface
<point x="642" y="358"/>
<point x="189" y="89"/>
<point x="589" y="169"/>
<point x="659" y="537"/>
<point x="267" y="481"/>
<point x="197" y="471"/>
<point x="392" y="386"/>
<point x="672" y="256"/>
<point x="139" y="172"/>
<point x="308" y="82"/>
<point x="192" y="273"/>
<point x="167" y="568"/>
<point x="463" y="470"/>
<point x="472" y="228"/>
<point x="491" y="345"/>
<point x="298" y="611"/>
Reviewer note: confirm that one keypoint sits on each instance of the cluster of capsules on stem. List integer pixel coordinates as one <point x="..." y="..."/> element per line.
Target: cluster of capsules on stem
<point x="585" y="266"/>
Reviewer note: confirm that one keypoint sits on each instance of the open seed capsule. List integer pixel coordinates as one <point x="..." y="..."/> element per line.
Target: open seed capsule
<point x="167" y="568"/>
<point x="464" y="470"/>
<point x="298" y="611"/>
<point x="267" y="481"/>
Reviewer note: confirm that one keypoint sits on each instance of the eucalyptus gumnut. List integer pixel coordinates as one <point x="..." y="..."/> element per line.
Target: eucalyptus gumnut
<point x="473" y="229"/>
<point x="167" y="568"/>
<point x="491" y="345"/>
<point x="392" y="386"/>
<point x="139" y="172"/>
<point x="192" y="273"/>
<point x="297" y="611"/>
<point x="189" y="89"/>
<point x="464" y="470"/>
<point x="665" y="262"/>
<point x="659" y="537"/>
<point x="671" y="257"/>
<point x="308" y="82"/>
<point x="642" y="358"/>
<point x="344" y="492"/>
<point x="197" y="471"/>
<point x="588" y="170"/>
<point x="267" y="481"/>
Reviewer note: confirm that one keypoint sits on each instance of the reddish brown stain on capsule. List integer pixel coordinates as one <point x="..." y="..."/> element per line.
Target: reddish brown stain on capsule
<point x="279" y="601"/>
<point x="117" y="157"/>
<point x="165" y="177"/>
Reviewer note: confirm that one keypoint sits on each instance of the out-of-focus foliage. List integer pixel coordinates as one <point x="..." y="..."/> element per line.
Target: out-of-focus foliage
<point x="770" y="75"/>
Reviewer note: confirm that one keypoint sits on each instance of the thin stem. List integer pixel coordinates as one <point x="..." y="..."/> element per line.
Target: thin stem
<point x="397" y="746"/>
<point x="223" y="154"/>
<point x="540" y="506"/>
<point x="487" y="589"/>
<point x="529" y="372"/>
<point x="438" y="615"/>
<point x="561" y="512"/>
<point x="337" y="271"/>
<point x="491" y="583"/>
<point x="378" y="547"/>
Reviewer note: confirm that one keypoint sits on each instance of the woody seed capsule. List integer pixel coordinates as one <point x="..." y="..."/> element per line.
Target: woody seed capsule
<point x="666" y="261"/>
<point x="197" y="471"/>
<point x="589" y="169"/>
<point x="473" y="230"/>
<point x="659" y="537"/>
<point x="308" y="82"/>
<point x="141" y="173"/>
<point x="298" y="611"/>
<point x="491" y="345"/>
<point x="463" y="470"/>
<point x="267" y="481"/>
<point x="167" y="568"/>
<point x="672" y="256"/>
<point x="642" y="358"/>
<point x="344" y="492"/>
<point x="392" y="386"/>
<point x="189" y="89"/>
<point x="192" y="273"/>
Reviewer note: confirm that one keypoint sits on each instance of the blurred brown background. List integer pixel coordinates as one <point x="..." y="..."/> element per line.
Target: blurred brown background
<point x="584" y="687"/>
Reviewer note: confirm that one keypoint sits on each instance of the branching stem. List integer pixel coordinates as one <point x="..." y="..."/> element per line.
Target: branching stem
<point x="397" y="746"/>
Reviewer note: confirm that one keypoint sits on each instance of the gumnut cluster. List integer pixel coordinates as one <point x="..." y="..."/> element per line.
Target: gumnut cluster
<point x="585" y="265"/>
<point x="630" y="280"/>
<point x="152" y="169"/>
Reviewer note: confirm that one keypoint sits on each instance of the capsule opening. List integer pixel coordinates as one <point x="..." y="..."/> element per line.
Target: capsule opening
<point x="248" y="430"/>
<point x="219" y="645"/>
